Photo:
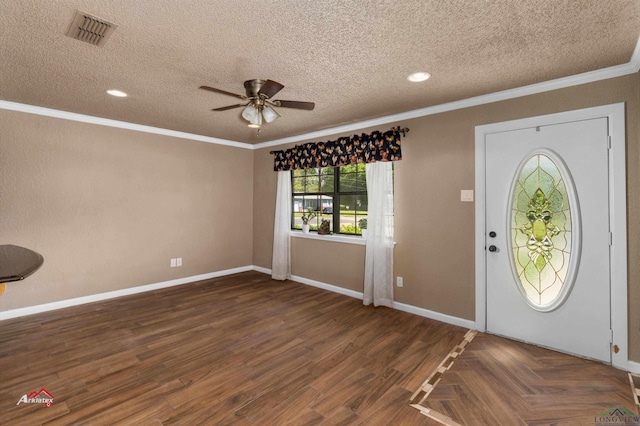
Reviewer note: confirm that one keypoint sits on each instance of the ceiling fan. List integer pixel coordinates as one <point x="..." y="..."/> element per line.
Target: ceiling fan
<point x="259" y="105"/>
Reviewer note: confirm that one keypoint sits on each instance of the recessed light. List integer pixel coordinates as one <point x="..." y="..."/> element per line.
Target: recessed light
<point x="418" y="76"/>
<point x="117" y="93"/>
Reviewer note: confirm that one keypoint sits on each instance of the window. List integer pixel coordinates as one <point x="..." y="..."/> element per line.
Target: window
<point x="541" y="233"/>
<point x="336" y="194"/>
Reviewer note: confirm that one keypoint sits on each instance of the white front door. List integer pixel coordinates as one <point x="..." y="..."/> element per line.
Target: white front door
<point x="548" y="236"/>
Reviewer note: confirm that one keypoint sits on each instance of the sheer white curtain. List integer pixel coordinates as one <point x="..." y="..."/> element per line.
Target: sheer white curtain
<point x="281" y="261"/>
<point x="378" y="268"/>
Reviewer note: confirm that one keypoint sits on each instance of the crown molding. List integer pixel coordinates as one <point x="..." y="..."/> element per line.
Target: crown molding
<point x="635" y="58"/>
<point x="65" y="115"/>
<point x="633" y="66"/>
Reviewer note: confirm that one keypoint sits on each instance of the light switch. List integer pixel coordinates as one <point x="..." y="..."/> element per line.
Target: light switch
<point x="466" y="195"/>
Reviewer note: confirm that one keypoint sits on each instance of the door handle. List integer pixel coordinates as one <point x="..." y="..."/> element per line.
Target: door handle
<point x="493" y="248"/>
<point x="492" y="234"/>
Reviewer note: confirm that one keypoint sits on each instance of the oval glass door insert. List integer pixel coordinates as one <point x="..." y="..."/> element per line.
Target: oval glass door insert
<point x="542" y="226"/>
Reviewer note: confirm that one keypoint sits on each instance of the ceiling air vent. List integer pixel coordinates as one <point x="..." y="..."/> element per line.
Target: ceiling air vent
<point x="90" y="29"/>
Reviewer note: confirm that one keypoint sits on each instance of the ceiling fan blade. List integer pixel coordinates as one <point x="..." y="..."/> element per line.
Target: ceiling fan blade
<point x="229" y="107"/>
<point x="295" y="104"/>
<point x="270" y="88"/>
<point x="224" y="92"/>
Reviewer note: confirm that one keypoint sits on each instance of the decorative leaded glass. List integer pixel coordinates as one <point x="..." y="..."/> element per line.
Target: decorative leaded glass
<point x="541" y="231"/>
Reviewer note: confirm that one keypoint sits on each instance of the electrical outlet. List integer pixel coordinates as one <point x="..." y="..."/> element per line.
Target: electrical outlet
<point x="173" y="263"/>
<point x="399" y="282"/>
<point x="179" y="261"/>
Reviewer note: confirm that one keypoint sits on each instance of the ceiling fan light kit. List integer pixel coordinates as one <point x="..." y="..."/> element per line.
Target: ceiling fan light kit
<point x="269" y="114"/>
<point x="259" y="107"/>
<point x="253" y="115"/>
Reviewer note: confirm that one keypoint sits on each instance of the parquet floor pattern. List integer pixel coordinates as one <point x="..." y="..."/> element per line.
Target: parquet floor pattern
<point x="497" y="381"/>
<point x="241" y="349"/>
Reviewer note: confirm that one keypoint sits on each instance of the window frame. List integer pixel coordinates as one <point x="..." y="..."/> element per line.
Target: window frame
<point x="335" y="195"/>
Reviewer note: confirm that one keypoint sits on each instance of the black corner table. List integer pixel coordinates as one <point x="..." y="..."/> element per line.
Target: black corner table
<point x="17" y="263"/>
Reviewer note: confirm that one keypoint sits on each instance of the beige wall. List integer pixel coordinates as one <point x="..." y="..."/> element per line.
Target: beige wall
<point x="434" y="230"/>
<point x="341" y="263"/>
<point x="108" y="208"/>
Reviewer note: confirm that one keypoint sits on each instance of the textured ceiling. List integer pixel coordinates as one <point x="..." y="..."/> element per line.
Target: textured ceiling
<point x="349" y="57"/>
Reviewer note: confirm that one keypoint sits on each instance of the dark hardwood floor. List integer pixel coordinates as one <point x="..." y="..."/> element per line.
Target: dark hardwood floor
<point x="240" y="350"/>
<point x="501" y="381"/>
<point x="247" y="350"/>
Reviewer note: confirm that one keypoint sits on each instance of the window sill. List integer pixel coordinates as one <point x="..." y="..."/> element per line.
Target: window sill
<point x="348" y="239"/>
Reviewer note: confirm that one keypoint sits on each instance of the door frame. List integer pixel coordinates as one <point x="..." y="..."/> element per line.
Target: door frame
<point x="617" y="214"/>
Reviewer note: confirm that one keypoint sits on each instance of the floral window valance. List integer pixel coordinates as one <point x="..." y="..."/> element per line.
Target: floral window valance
<point x="354" y="149"/>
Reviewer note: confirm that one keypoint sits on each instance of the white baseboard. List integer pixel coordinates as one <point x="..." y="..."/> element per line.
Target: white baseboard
<point x="329" y="287"/>
<point x="261" y="269"/>
<point x="633" y="367"/>
<point x="30" y="310"/>
<point x="460" y="322"/>
<point x="396" y="305"/>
